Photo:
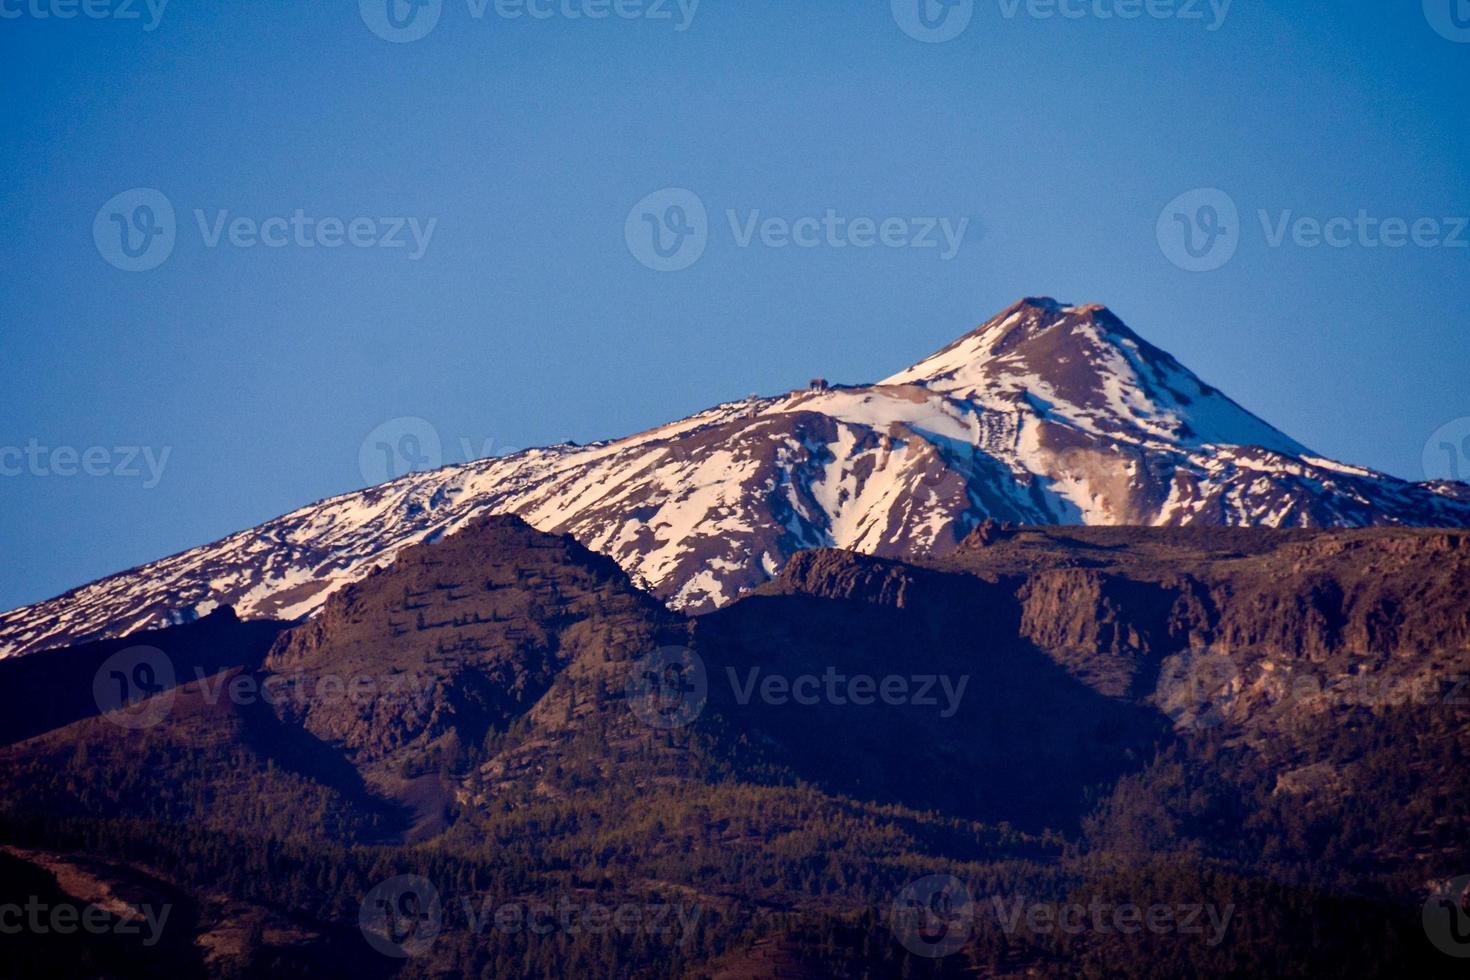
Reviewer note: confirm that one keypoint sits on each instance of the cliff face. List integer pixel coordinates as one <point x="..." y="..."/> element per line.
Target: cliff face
<point x="1107" y="627"/>
<point x="457" y="638"/>
<point x="1131" y="611"/>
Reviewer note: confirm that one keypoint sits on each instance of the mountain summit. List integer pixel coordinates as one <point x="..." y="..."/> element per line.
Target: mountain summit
<point x="1083" y="366"/>
<point x="1046" y="414"/>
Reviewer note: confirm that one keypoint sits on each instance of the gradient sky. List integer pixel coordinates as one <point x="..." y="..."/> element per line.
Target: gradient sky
<point x="528" y="320"/>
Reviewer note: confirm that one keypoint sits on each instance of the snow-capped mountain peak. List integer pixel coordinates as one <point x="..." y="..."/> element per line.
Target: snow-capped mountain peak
<point x="1083" y="366"/>
<point x="1046" y="414"/>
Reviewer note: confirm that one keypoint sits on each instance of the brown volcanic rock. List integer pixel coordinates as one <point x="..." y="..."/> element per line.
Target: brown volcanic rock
<point x="1112" y="604"/>
<point x="1005" y="731"/>
<point x="460" y="637"/>
<point x="1107" y="626"/>
<point x="38" y="694"/>
<point x="1326" y="661"/>
<point x="831" y="574"/>
<point x="1389" y="593"/>
<point x="1310" y="593"/>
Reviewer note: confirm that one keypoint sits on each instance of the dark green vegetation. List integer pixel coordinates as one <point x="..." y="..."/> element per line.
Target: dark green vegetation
<point x="1264" y="727"/>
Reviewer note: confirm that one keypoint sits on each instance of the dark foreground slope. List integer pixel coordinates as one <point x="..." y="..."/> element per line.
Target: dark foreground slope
<point x="1266" y="728"/>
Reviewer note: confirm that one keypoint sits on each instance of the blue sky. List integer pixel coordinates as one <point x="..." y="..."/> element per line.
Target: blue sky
<point x="520" y="145"/>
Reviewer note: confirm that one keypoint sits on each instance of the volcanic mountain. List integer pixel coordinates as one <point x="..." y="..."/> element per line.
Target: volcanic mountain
<point x="1047" y="414"/>
<point x="1272" y="721"/>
